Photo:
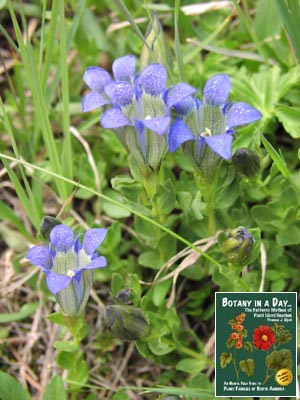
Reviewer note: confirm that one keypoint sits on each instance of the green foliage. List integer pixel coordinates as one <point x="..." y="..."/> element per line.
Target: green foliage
<point x="11" y="389"/>
<point x="164" y="240"/>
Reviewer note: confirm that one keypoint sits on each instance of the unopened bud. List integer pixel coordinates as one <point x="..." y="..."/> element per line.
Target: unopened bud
<point x="46" y="226"/>
<point x="156" y="50"/>
<point x="127" y="322"/>
<point x="237" y="248"/>
<point x="125" y="296"/>
<point x="246" y="163"/>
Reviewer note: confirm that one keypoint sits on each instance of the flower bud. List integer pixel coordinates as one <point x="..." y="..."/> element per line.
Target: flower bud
<point x="127" y="322"/>
<point x="246" y="163"/>
<point x="156" y="49"/>
<point x="46" y="226"/>
<point x="125" y="296"/>
<point x="237" y="248"/>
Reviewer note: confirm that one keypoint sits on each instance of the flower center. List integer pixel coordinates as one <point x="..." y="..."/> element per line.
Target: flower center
<point x="70" y="273"/>
<point x="207" y="132"/>
<point x="264" y="338"/>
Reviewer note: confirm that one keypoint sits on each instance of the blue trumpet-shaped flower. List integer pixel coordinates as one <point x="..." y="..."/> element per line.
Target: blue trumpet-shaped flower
<point x="139" y="106"/>
<point x="68" y="265"/>
<point x="206" y="128"/>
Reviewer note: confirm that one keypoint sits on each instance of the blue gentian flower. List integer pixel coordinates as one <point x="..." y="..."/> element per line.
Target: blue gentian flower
<point x="68" y="265"/>
<point x="206" y="128"/>
<point x="139" y="106"/>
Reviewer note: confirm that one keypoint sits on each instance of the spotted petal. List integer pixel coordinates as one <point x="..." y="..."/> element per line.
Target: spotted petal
<point x="62" y="237"/>
<point x="153" y="79"/>
<point x="39" y="255"/>
<point x="220" y="144"/>
<point x="216" y="90"/>
<point x="158" y="125"/>
<point x="93" y="100"/>
<point x="92" y="240"/>
<point x="96" y="78"/>
<point x="179" y="133"/>
<point x="114" y="118"/>
<point x="120" y="92"/>
<point x="99" y="262"/>
<point x="57" y="282"/>
<point x="124" y="68"/>
<point x="180" y="92"/>
<point x="242" y="114"/>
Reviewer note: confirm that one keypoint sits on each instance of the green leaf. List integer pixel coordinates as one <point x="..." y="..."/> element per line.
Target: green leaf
<point x="290" y="119"/>
<point x="279" y="359"/>
<point x="150" y="259"/>
<point x="266" y="218"/>
<point x="68" y="347"/>
<point x="225" y="359"/>
<point x="159" y="292"/>
<point x="25" y="311"/>
<point x="165" y="195"/>
<point x="289" y="236"/>
<point x="191" y="366"/>
<point x="161" y="346"/>
<point x="290" y="15"/>
<point x="111" y="209"/>
<point x="11" y="389"/>
<point x="276" y="157"/>
<point x="55" y="389"/>
<point x="117" y="283"/>
<point x="57" y="317"/>
<point x="248" y="366"/>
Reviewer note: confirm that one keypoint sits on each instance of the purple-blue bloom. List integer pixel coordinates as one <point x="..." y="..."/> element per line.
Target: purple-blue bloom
<point x="209" y="123"/>
<point x="69" y="264"/>
<point x="138" y="106"/>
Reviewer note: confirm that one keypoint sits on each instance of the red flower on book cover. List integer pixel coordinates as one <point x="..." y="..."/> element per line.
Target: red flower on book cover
<point x="263" y="337"/>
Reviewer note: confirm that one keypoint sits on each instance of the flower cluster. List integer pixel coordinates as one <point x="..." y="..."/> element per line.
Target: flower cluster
<point x="140" y="106"/>
<point x="236" y="338"/>
<point x="68" y="265"/>
<point x="263" y="337"/>
<point x="140" y="112"/>
<point x="205" y="128"/>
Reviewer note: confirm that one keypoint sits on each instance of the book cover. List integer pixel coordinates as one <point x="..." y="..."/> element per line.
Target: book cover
<point x="256" y="344"/>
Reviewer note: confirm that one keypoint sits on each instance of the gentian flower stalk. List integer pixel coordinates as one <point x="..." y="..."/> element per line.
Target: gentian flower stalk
<point x="204" y="129"/>
<point x="69" y="265"/>
<point x="137" y="108"/>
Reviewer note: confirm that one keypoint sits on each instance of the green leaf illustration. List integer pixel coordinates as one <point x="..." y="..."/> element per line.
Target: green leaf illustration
<point x="248" y="346"/>
<point x="225" y="359"/>
<point x="279" y="359"/>
<point x="247" y="366"/>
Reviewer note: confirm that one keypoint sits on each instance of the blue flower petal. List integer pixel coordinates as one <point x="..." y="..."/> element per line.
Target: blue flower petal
<point x="96" y="78"/>
<point x="158" y="124"/>
<point x="120" y="92"/>
<point x="39" y="255"/>
<point x="153" y="79"/>
<point x="180" y="92"/>
<point x="185" y="106"/>
<point x="124" y="68"/>
<point x="179" y="133"/>
<point x="217" y="89"/>
<point x="99" y="262"/>
<point x="241" y="114"/>
<point x="93" y="100"/>
<point x="114" y="118"/>
<point x="62" y="237"/>
<point x="220" y="144"/>
<point x="57" y="282"/>
<point x="92" y="240"/>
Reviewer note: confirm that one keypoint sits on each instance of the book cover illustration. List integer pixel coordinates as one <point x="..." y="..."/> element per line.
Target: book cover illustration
<point x="256" y="349"/>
